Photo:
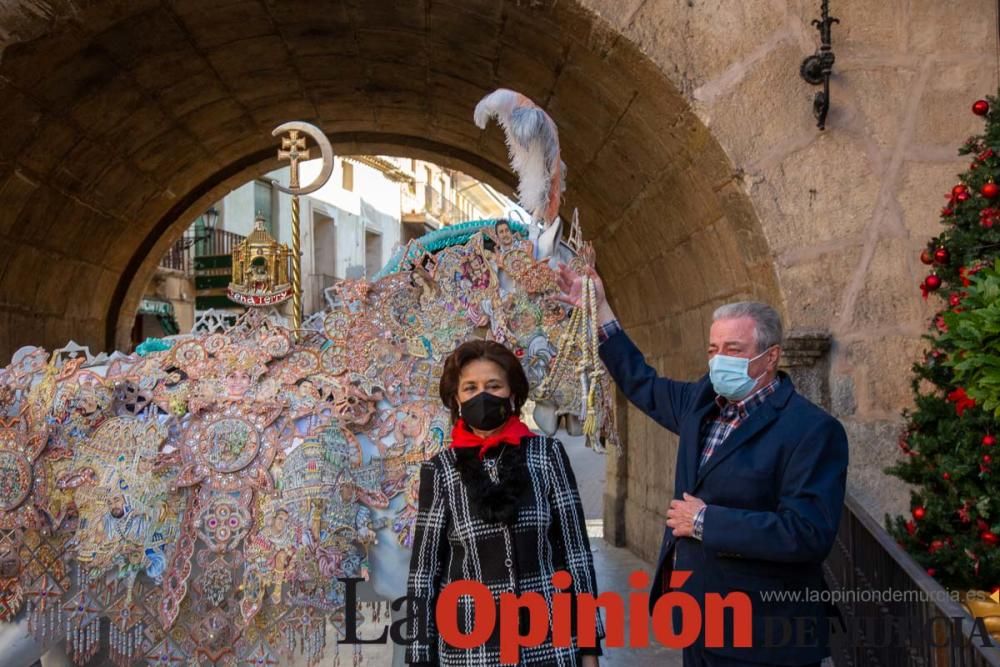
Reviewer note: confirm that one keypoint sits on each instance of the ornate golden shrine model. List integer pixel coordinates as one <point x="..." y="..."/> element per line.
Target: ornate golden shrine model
<point x="203" y="499"/>
<point x="260" y="270"/>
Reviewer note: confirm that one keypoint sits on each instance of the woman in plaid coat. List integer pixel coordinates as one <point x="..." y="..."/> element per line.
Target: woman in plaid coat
<point x="499" y="507"/>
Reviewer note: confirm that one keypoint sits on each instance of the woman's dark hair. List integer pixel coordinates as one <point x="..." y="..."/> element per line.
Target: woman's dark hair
<point x="491" y="351"/>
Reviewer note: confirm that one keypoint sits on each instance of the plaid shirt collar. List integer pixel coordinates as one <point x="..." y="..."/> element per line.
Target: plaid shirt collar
<point x="745" y="406"/>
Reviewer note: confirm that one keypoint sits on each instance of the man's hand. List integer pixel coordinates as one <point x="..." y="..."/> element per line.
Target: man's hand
<point x="571" y="291"/>
<point x="680" y="516"/>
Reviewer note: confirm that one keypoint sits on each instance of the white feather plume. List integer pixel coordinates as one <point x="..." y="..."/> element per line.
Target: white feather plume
<point x="533" y="146"/>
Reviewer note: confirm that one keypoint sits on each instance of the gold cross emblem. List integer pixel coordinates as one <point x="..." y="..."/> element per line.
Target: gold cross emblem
<point x="293" y="148"/>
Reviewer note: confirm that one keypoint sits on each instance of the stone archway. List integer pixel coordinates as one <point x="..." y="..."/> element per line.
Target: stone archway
<point x="124" y="120"/>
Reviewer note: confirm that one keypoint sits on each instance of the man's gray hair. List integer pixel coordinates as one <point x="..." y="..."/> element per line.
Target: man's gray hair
<point x="767" y="329"/>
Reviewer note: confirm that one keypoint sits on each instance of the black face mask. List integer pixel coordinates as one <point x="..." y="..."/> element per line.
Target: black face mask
<point x="485" y="411"/>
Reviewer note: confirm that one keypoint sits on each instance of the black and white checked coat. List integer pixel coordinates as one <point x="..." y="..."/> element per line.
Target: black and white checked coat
<point x="451" y="543"/>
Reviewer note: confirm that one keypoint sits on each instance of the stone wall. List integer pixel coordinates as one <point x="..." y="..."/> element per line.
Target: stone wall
<point x="845" y="212"/>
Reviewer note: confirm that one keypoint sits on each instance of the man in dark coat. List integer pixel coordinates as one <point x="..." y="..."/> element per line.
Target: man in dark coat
<point x="759" y="483"/>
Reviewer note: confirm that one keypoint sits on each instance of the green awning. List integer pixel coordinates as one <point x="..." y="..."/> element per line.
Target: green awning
<point x="156" y="307"/>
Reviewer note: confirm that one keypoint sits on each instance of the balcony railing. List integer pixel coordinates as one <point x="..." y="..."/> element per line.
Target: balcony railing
<point x="910" y="621"/>
<point x="180" y="256"/>
<point x="439" y="207"/>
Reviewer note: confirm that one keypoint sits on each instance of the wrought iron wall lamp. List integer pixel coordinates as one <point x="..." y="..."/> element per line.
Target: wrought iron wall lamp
<point x="816" y="68"/>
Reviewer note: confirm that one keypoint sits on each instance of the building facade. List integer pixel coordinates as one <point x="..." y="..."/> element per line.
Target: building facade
<point x="348" y="229"/>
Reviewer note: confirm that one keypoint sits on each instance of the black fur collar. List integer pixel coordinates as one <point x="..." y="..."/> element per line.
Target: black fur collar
<point x="494" y="503"/>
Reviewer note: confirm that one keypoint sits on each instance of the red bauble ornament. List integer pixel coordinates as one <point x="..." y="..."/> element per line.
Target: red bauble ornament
<point x="987" y="458"/>
<point x="990" y="190"/>
<point x="926" y="256"/>
<point x="931" y="571"/>
<point x="959" y="189"/>
<point x="935" y="545"/>
<point x="989" y="537"/>
<point x="945" y="476"/>
<point x="963" y="275"/>
<point x="989" y="440"/>
<point x="932" y="282"/>
<point x="954" y="300"/>
<point x="911" y="527"/>
<point x="919" y="512"/>
<point x="980" y="107"/>
<point x="941" y="256"/>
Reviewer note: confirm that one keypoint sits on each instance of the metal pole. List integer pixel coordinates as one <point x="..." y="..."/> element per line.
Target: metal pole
<point x="296" y="264"/>
<point x="293" y="148"/>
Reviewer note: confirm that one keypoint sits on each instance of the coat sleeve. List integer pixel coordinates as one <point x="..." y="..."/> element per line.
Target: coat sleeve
<point x="569" y="531"/>
<point x="804" y="525"/>
<point x="663" y="399"/>
<point x="427" y="564"/>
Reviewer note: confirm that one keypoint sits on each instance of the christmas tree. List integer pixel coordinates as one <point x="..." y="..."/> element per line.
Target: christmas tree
<point x="949" y="440"/>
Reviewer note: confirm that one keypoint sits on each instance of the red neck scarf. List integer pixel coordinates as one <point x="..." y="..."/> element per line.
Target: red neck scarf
<point x="510" y="433"/>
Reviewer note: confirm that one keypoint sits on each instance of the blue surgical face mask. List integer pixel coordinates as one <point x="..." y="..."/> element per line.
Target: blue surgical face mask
<point x="729" y="375"/>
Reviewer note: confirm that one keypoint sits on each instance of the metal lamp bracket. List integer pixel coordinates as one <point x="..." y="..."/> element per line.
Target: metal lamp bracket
<point x="816" y="69"/>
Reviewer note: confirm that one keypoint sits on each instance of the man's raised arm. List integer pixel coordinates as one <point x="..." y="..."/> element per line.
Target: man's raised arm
<point x="661" y="398"/>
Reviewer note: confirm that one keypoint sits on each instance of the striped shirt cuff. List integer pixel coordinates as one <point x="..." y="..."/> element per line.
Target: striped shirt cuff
<point x="608" y="329"/>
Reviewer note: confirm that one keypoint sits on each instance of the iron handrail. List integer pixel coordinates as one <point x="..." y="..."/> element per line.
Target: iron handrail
<point x="932" y="630"/>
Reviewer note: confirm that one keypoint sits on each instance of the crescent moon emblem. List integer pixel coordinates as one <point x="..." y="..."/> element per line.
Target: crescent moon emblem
<point x="325" y="149"/>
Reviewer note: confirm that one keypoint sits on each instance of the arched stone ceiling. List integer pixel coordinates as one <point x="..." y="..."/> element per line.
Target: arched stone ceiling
<point x="123" y="120"/>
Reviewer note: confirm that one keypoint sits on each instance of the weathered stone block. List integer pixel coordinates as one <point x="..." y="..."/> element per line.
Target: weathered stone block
<point x="143" y="36"/>
<point x="890" y="296"/>
<point x="922" y="195"/>
<point x="23" y="329"/>
<point x="17" y="110"/>
<point x="727" y="34"/>
<point x="801" y="199"/>
<point x="618" y="14"/>
<point x="308" y="32"/>
<point x="24" y="271"/>
<point x="881" y="370"/>
<point x="766" y="110"/>
<point x="815" y="286"/>
<point x="669" y="31"/>
<point x="15" y="193"/>
<point x="944" y="117"/>
<point x="158" y="70"/>
<point x="930" y="25"/>
<point x="214" y="24"/>
<point x="870" y="28"/>
<point x="872" y="447"/>
<point x="49" y="144"/>
<point x="842" y="393"/>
